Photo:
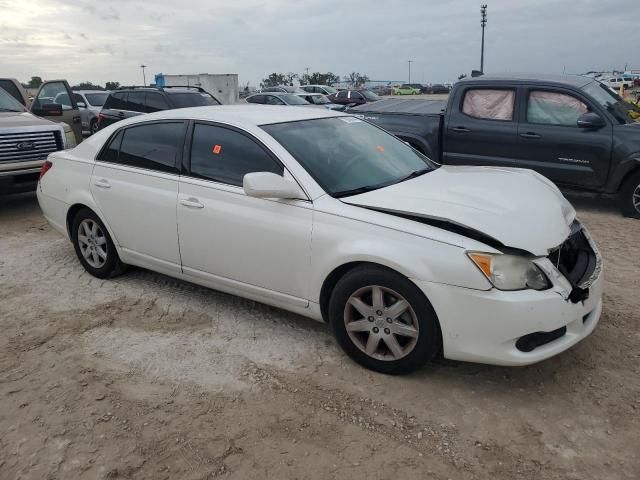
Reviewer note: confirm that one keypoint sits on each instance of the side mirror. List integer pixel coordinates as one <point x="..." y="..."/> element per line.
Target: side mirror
<point x="81" y="104"/>
<point x="48" y="110"/>
<point x="270" y="185"/>
<point x="590" y="120"/>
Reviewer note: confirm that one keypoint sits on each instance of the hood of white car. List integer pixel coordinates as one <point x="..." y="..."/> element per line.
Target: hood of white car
<point x="518" y="208"/>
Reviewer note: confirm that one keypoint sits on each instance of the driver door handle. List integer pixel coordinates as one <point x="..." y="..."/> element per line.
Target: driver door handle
<point x="191" y="202"/>
<point x="530" y="135"/>
<point x="461" y="129"/>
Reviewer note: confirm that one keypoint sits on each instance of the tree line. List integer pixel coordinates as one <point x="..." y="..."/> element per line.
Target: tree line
<point x="354" y="79"/>
<point x="36" y="82"/>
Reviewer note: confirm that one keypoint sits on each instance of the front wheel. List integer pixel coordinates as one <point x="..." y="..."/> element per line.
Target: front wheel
<point x="629" y="196"/>
<point x="383" y="321"/>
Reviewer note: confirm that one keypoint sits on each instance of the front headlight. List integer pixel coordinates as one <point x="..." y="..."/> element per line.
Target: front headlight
<point x="509" y="272"/>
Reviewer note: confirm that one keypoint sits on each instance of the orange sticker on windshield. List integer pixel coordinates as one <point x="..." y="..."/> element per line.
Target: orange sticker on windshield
<point x="216" y="149"/>
<point x="380" y="148"/>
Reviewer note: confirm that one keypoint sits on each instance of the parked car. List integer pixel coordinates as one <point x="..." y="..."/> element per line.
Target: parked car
<point x="129" y="102"/>
<point x="571" y="129"/>
<point x="276" y="98"/>
<point x="381" y="90"/>
<point x="90" y="103"/>
<point x="438" y="88"/>
<point x="616" y="82"/>
<point x="44" y="103"/>
<point x="354" y="97"/>
<point x="321" y="100"/>
<point x="328" y="216"/>
<point x="406" y="89"/>
<point x="323" y="89"/>
<point x="281" y="89"/>
<point x="25" y="142"/>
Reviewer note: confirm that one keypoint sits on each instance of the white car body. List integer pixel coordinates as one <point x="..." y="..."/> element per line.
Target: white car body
<point x="281" y="251"/>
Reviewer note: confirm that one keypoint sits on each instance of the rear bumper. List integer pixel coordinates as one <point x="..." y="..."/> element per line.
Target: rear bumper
<point x="484" y="326"/>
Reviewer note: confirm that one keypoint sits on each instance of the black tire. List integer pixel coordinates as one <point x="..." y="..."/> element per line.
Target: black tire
<point x="112" y="266"/>
<point x="93" y="126"/>
<point x="429" y="339"/>
<point x="629" y="196"/>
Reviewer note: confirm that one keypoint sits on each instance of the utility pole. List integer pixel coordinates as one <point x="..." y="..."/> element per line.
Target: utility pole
<point x="410" y="61"/>
<point x="144" y="79"/>
<point x="483" y="22"/>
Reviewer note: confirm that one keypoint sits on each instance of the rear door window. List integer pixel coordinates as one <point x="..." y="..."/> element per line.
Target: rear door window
<point x="153" y="146"/>
<point x="489" y="104"/>
<point x="116" y="101"/>
<point x="226" y="156"/>
<point x="135" y="102"/>
<point x="155" y="102"/>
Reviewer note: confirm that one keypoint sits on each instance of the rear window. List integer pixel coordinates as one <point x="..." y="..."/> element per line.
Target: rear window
<point x="192" y="99"/>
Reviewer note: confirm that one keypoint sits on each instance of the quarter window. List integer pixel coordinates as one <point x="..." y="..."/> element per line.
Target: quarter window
<point x="226" y="156"/>
<point x="554" y="108"/>
<point x="135" y="102"/>
<point x="489" y="104"/>
<point x="110" y="154"/>
<point x="153" y="146"/>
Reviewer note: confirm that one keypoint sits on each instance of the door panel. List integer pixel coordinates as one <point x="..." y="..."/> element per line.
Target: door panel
<point x="552" y="144"/>
<point x="482" y="131"/>
<point x="258" y="242"/>
<point x="59" y="92"/>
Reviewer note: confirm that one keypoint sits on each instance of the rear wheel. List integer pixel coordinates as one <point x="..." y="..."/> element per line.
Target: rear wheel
<point x="94" y="246"/>
<point x="629" y="196"/>
<point x="383" y="321"/>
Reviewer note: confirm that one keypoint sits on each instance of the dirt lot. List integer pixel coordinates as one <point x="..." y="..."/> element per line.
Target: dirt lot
<point x="148" y="377"/>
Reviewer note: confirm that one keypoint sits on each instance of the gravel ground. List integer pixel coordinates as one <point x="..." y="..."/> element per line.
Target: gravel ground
<point x="145" y="376"/>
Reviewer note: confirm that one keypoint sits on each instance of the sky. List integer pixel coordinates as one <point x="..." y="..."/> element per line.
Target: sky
<point x="90" y="41"/>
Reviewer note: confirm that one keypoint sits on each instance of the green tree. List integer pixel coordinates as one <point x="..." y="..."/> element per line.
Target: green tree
<point x="87" y="86"/>
<point x="317" y="78"/>
<point x="35" y="82"/>
<point x="290" y="77"/>
<point x="356" y="79"/>
<point x="273" y="80"/>
<point x="111" y="85"/>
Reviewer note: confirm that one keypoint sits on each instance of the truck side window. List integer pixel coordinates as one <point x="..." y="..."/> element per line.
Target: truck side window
<point x="554" y="108"/>
<point x="489" y="104"/>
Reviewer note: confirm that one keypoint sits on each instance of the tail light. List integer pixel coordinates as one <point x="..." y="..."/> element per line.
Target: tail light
<point x="46" y="166"/>
<point x="100" y="118"/>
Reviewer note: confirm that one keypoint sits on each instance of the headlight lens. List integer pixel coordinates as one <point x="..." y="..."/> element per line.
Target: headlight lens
<point x="509" y="272"/>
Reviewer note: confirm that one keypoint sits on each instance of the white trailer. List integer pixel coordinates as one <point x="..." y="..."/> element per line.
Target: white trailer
<point x="223" y="86"/>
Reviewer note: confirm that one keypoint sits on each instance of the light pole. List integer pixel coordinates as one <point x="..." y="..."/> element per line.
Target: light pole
<point x="144" y="79"/>
<point x="483" y="22"/>
<point x="410" y="61"/>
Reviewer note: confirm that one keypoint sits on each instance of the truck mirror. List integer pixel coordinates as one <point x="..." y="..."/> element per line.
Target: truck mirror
<point x="590" y="120"/>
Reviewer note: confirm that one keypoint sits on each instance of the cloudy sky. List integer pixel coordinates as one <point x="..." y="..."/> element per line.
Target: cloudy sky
<point x="100" y="41"/>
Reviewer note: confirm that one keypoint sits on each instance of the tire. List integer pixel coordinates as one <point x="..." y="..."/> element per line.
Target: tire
<point x="93" y="126"/>
<point x="94" y="248"/>
<point x="629" y="196"/>
<point x="397" y="344"/>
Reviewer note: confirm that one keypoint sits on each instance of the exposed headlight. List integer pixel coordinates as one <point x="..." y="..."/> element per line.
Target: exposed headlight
<point x="509" y="272"/>
<point x="69" y="137"/>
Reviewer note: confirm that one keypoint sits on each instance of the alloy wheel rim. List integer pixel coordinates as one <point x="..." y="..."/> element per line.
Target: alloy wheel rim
<point x="635" y="198"/>
<point x="381" y="323"/>
<point x="93" y="243"/>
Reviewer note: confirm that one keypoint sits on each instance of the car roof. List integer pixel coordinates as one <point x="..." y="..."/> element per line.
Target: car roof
<point x="248" y="115"/>
<point x="571" y="80"/>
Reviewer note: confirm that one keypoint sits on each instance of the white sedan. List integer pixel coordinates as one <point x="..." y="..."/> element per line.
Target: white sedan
<point x="328" y="216"/>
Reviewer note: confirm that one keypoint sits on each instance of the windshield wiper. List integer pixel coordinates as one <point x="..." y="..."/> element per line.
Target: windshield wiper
<point x="414" y="174"/>
<point x="355" y="191"/>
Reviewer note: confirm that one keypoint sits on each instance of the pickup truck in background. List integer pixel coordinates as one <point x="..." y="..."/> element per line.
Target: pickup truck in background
<point x="25" y="143"/>
<point x="54" y="101"/>
<point x="571" y="129"/>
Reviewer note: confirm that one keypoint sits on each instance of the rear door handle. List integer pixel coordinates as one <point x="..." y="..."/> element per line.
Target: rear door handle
<point x="191" y="202"/>
<point x="102" y="183"/>
<point x="461" y="129"/>
<point x="530" y="135"/>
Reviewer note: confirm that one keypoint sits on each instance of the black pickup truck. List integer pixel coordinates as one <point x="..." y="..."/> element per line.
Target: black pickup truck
<point x="571" y="129"/>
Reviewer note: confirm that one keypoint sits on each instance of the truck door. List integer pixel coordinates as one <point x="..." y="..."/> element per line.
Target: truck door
<point x="54" y="101"/>
<point x="481" y="128"/>
<point x="552" y="143"/>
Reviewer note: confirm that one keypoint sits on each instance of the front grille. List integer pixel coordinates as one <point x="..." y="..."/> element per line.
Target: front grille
<point x="578" y="260"/>
<point x="28" y="145"/>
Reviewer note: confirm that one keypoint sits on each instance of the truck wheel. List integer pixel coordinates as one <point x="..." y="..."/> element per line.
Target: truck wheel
<point x="629" y="196"/>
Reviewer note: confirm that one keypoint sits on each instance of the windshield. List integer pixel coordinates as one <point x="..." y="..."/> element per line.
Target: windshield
<point x="369" y="95"/>
<point x="96" y="99"/>
<point x="347" y="156"/>
<point x="292" y="99"/>
<point x="607" y="99"/>
<point x="8" y="103"/>
<point x="192" y="99"/>
<point x="329" y="89"/>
